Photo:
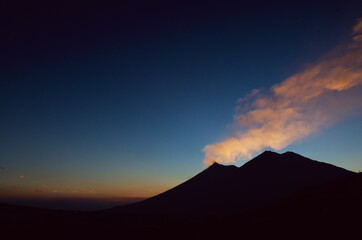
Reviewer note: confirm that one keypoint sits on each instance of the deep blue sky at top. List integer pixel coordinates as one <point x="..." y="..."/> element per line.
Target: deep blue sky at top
<point x="130" y="93"/>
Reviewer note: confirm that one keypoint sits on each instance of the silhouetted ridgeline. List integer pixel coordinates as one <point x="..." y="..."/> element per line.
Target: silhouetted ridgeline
<point x="274" y="195"/>
<point x="223" y="190"/>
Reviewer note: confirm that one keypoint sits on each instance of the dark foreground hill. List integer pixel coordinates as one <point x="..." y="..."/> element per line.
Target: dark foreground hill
<point x="224" y="190"/>
<point x="332" y="209"/>
<point x="328" y="210"/>
<point x="313" y="200"/>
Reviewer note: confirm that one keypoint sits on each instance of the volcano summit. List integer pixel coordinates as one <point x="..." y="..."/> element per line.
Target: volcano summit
<point x="222" y="190"/>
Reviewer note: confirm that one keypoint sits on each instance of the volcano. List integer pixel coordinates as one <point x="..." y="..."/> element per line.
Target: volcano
<point x="222" y="190"/>
<point x="272" y="195"/>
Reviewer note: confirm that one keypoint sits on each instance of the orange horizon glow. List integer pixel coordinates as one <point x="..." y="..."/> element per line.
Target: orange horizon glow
<point x="45" y="192"/>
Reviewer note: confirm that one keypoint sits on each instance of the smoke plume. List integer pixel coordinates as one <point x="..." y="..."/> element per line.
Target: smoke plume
<point x="297" y="107"/>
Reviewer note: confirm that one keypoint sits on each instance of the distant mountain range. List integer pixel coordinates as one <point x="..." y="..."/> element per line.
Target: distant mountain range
<point x="223" y="190"/>
<point x="283" y="196"/>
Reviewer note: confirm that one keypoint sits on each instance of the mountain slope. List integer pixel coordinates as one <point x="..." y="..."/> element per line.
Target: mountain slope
<point x="327" y="210"/>
<point x="331" y="209"/>
<point x="223" y="190"/>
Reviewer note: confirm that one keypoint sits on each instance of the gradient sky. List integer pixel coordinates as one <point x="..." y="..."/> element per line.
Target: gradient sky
<point x="118" y="101"/>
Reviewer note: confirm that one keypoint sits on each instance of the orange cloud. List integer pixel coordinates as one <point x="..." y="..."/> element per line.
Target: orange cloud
<point x="299" y="106"/>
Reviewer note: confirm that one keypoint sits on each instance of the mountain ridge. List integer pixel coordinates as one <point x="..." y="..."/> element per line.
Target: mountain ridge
<point x="223" y="189"/>
<point x="220" y="202"/>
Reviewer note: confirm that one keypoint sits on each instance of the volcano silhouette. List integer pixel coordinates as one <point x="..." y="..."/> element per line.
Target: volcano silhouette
<point x="271" y="196"/>
<point x="222" y="190"/>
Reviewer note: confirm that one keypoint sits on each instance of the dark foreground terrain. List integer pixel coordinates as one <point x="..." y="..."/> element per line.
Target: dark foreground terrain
<point x="301" y="198"/>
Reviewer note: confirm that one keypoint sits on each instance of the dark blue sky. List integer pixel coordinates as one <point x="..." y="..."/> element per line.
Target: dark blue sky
<point x="119" y="100"/>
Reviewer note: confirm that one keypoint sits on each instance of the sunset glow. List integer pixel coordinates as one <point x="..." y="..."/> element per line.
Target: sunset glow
<point x="291" y="110"/>
<point x="126" y="101"/>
